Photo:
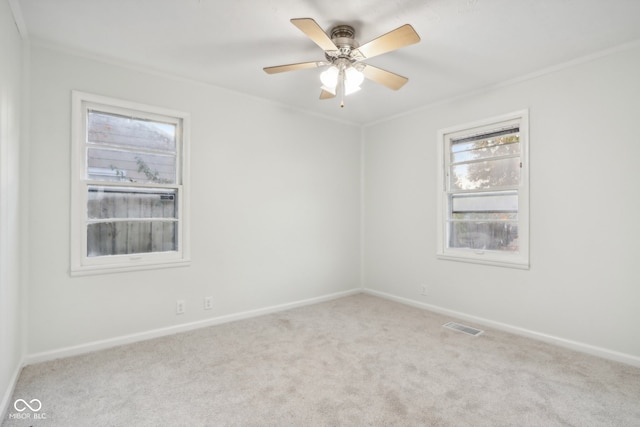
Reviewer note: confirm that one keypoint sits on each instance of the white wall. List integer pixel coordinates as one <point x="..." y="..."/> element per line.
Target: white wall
<point x="274" y="216"/>
<point x="584" y="283"/>
<point x="11" y="336"/>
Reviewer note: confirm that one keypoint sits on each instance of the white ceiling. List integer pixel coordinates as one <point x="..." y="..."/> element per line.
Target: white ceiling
<point x="466" y="44"/>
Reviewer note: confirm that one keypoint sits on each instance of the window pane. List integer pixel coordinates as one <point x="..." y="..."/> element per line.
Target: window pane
<point x="486" y="148"/>
<point x="127" y="202"/>
<point x="117" y="165"/>
<point x="130" y="133"/>
<point x="486" y="174"/>
<point x="499" y="236"/>
<point x="131" y="237"/>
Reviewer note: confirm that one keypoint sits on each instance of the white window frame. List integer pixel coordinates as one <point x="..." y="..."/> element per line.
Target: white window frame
<point x="81" y="264"/>
<point x="519" y="259"/>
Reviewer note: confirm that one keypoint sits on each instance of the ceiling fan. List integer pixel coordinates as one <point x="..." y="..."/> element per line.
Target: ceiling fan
<point x="344" y="57"/>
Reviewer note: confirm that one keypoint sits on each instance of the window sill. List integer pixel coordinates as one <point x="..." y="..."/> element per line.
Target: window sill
<point x="91" y="270"/>
<point x="489" y="260"/>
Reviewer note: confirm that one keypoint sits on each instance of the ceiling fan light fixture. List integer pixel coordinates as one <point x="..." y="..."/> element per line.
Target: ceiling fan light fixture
<point x="332" y="76"/>
<point x="352" y="80"/>
<point x="329" y="77"/>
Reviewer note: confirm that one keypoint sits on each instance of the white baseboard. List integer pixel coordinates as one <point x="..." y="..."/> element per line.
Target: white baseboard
<point x="8" y="393"/>
<point x="155" y="333"/>
<point x="142" y="336"/>
<point x="572" y="345"/>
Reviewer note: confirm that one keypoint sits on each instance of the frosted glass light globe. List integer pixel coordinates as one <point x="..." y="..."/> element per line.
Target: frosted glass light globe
<point x="329" y="77"/>
<point x="353" y="77"/>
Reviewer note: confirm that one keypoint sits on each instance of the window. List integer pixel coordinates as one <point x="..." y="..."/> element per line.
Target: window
<point x="483" y="212"/>
<point x="129" y="186"/>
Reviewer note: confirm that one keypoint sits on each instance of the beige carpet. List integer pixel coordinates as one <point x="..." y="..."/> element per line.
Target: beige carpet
<point x="356" y="361"/>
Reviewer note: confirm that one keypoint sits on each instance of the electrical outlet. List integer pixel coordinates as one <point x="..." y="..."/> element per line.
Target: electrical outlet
<point x="180" y="306"/>
<point x="208" y="303"/>
<point x="424" y="290"/>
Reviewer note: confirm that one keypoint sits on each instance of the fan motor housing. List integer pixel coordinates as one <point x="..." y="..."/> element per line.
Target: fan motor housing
<point x="346" y="31"/>
<point x="343" y="37"/>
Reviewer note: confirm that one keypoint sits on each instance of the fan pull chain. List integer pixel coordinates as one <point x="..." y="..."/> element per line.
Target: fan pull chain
<point x="341" y="87"/>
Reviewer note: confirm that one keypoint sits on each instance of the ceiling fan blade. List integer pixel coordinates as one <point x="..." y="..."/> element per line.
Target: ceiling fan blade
<point x="400" y="37"/>
<point x="293" y="67"/>
<point x="387" y="78"/>
<point x="325" y="94"/>
<point x="314" y="32"/>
